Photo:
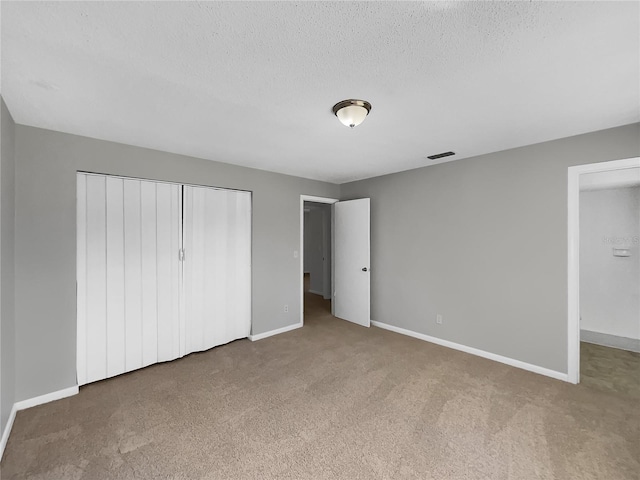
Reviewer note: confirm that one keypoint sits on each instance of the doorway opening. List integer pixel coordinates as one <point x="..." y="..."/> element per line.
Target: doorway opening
<point x="604" y="275"/>
<point x="316" y="259"/>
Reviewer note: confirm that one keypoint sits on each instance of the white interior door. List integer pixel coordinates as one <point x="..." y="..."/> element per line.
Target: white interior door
<point x="127" y="272"/>
<point x="217" y="266"/>
<point x="352" y="298"/>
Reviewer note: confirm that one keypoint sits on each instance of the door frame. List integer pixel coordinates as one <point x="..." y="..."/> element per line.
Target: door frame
<point x="573" y="267"/>
<point x="308" y="198"/>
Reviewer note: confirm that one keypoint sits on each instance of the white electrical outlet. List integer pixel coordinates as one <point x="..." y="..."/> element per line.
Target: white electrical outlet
<point x="286" y="309"/>
<point x="439" y="319"/>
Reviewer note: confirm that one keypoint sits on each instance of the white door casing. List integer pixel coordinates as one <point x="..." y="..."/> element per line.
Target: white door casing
<point x="351" y="290"/>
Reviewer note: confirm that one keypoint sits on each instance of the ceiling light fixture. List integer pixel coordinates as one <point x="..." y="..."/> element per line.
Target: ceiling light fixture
<point x="351" y="113"/>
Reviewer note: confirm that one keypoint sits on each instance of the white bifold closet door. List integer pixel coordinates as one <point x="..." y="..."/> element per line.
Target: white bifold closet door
<point x="217" y="266"/>
<point x="128" y="275"/>
<point x="158" y="279"/>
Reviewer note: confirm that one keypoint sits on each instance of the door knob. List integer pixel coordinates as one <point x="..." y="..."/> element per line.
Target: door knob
<point x="364" y="269"/>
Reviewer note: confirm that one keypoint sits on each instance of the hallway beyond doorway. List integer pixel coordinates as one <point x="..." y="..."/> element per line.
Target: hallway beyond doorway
<point x="315" y="306"/>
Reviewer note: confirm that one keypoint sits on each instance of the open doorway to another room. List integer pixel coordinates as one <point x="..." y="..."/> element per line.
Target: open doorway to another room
<point x="317" y="262"/>
<point x="336" y="238"/>
<point x="583" y="178"/>
<point x="610" y="281"/>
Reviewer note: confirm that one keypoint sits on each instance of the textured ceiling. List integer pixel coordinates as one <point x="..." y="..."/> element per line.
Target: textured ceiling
<point x="253" y="83"/>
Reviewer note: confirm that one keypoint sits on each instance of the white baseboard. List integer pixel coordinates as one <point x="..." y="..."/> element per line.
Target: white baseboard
<point x="49" y="397"/>
<point x="608" y="340"/>
<point x="278" y="331"/>
<point x="32" y="402"/>
<point x="474" y="351"/>
<point x="322" y="294"/>
<point x="7" y="430"/>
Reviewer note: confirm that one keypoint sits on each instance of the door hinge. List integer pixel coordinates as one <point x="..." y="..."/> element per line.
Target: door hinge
<point x="181" y="254"/>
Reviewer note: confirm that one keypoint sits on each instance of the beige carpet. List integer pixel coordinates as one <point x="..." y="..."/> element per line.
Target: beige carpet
<point x="610" y="369"/>
<point x="329" y="401"/>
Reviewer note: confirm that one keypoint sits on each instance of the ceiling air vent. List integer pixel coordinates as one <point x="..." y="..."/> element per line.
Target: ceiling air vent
<point x="440" y="155"/>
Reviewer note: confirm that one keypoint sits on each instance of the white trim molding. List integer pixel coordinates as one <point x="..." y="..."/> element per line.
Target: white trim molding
<point x="608" y="340"/>
<point x="306" y="198"/>
<point x="277" y="331"/>
<point x="32" y="402"/>
<point x="474" y="351"/>
<point x="7" y="430"/>
<point x="49" y="397"/>
<point x="573" y="255"/>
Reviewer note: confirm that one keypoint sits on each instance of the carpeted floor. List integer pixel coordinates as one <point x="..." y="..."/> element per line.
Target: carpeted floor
<point x="329" y="401"/>
<point x="610" y="370"/>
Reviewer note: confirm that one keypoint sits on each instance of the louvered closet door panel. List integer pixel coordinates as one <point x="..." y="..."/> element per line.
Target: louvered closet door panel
<point x="128" y="282"/>
<point x="217" y="266"/>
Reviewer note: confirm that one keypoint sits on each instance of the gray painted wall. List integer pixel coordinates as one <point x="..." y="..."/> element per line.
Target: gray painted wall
<point x="483" y="241"/>
<point x="610" y="286"/>
<point x="7" y="220"/>
<point x="46" y="165"/>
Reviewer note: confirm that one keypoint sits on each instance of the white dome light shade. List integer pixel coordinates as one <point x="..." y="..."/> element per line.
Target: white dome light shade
<point x="351" y="113"/>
